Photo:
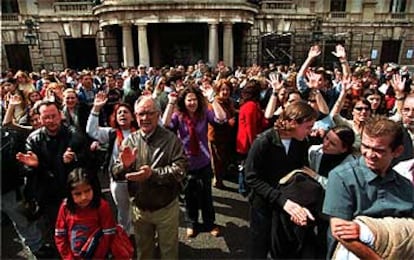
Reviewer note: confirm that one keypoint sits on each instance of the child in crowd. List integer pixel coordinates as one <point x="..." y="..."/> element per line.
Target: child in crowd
<point x="85" y="225"/>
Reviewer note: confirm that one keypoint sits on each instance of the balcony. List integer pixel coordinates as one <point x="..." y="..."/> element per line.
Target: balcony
<point x="398" y="16"/>
<point x="337" y="15"/>
<point x="278" y="5"/>
<point x="10" y="17"/>
<point x="71" y="6"/>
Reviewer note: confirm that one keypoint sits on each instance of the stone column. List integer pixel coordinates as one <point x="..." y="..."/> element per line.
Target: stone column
<point x="127" y="49"/>
<point x="228" y="44"/>
<point x="143" y="45"/>
<point x="213" y="44"/>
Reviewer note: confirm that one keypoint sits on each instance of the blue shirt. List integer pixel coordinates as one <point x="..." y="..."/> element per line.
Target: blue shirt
<point x="354" y="190"/>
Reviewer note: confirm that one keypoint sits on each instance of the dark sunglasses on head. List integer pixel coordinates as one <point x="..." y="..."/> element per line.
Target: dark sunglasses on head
<point x="362" y="108"/>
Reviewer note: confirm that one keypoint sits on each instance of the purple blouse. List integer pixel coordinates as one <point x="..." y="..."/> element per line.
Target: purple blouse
<point x="177" y="124"/>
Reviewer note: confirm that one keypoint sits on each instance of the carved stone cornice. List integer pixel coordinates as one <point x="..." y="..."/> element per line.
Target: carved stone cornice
<point x="117" y="12"/>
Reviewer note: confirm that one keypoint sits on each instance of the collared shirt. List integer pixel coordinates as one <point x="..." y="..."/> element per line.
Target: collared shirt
<point x="354" y="190"/>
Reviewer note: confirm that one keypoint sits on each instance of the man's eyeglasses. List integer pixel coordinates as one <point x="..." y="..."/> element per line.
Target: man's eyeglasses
<point x="362" y="108"/>
<point x="146" y="113"/>
<point x="407" y="110"/>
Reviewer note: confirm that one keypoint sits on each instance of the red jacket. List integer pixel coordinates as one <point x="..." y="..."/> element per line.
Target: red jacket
<point x="73" y="231"/>
<point x="251" y="123"/>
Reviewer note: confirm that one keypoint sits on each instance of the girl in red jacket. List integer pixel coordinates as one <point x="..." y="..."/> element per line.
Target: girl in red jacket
<point x="85" y="225"/>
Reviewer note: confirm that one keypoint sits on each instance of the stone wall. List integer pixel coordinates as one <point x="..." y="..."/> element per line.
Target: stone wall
<point x="107" y="48"/>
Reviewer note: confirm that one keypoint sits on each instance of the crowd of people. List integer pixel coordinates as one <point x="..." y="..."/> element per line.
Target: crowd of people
<point x="322" y="155"/>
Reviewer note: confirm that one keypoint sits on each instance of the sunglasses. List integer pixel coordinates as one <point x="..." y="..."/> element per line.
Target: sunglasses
<point x="362" y="108"/>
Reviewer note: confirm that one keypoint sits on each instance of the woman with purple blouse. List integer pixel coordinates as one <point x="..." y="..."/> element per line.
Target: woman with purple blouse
<point x="190" y="122"/>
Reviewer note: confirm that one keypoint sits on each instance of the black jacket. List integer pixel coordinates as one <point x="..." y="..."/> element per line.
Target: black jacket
<point x="48" y="180"/>
<point x="267" y="163"/>
<point x="12" y="142"/>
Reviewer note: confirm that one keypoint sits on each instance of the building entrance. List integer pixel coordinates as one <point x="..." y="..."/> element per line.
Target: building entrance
<point x="18" y="57"/>
<point x="81" y="53"/>
<point x="172" y="44"/>
<point x="390" y="51"/>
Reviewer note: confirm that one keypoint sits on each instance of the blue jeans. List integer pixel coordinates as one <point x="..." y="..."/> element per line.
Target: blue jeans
<point x="260" y="233"/>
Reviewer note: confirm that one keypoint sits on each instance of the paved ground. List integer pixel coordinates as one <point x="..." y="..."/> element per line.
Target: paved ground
<point x="231" y="215"/>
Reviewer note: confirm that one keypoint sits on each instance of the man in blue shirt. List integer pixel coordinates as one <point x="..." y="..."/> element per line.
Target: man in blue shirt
<point x="368" y="186"/>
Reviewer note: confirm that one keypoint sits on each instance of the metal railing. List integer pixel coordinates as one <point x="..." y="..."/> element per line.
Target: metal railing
<point x="338" y="15"/>
<point x="10" y="17"/>
<point x="398" y="16"/>
<point x="73" y="6"/>
<point x="284" y="5"/>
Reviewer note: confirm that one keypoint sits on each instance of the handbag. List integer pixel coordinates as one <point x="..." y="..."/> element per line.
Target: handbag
<point x="121" y="246"/>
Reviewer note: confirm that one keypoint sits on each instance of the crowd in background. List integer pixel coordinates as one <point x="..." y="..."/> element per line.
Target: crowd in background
<point x="217" y="113"/>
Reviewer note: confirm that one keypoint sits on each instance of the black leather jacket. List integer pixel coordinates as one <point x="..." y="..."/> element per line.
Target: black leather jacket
<point x="48" y="180"/>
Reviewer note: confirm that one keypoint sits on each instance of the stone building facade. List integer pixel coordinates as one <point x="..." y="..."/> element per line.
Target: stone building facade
<point x="55" y="34"/>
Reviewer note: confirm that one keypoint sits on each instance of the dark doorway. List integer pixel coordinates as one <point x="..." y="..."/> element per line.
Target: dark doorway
<point x="81" y="53"/>
<point x="172" y="44"/>
<point x="390" y="51"/>
<point x="18" y="57"/>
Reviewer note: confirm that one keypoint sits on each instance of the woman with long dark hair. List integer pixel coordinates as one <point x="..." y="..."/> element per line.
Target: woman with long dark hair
<point x="190" y="122"/>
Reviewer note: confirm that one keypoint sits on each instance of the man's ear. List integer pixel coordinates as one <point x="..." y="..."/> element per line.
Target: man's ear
<point x="398" y="151"/>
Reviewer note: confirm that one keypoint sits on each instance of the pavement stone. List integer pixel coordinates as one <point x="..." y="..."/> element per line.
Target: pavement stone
<point x="231" y="215"/>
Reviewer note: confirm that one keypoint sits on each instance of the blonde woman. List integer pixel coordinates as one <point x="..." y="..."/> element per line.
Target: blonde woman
<point x="24" y="82"/>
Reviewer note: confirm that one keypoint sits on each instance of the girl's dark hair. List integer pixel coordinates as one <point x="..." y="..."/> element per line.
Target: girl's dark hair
<point x="79" y="176"/>
<point x="369" y="92"/>
<point x="112" y="118"/>
<point x="202" y="105"/>
<point x="346" y="135"/>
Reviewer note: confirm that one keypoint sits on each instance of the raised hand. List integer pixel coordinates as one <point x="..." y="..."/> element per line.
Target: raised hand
<point x="128" y="156"/>
<point x="275" y="81"/>
<point x="314" y="51"/>
<point x="100" y="100"/>
<point x="68" y="156"/>
<point x="346" y="85"/>
<point x="339" y="52"/>
<point x="15" y="100"/>
<point x="313" y="80"/>
<point x="207" y="90"/>
<point x="398" y="83"/>
<point x="172" y="97"/>
<point x="28" y="159"/>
